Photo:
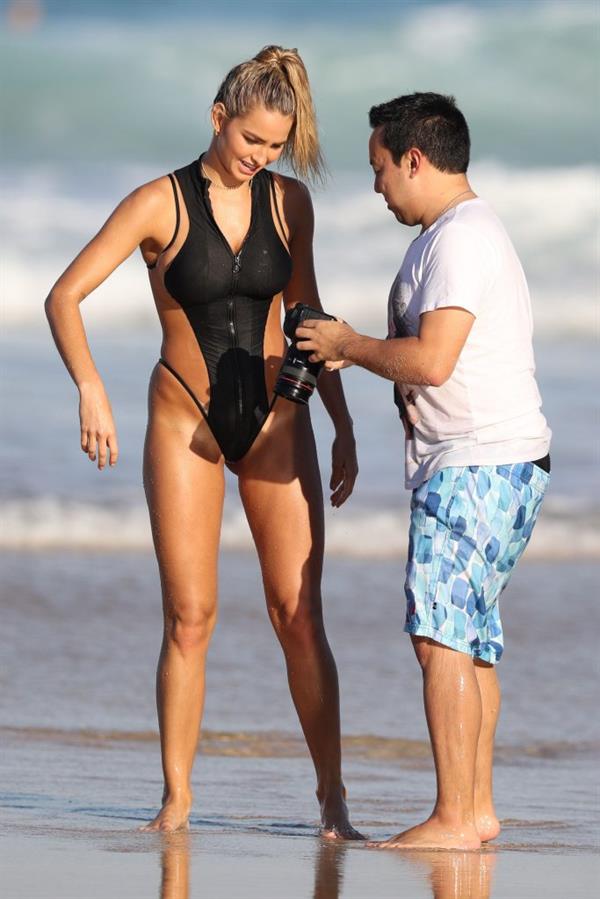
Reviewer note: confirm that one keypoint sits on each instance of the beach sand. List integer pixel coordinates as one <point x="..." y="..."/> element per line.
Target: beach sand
<point x="117" y="865"/>
<point x="69" y="829"/>
<point x="81" y="763"/>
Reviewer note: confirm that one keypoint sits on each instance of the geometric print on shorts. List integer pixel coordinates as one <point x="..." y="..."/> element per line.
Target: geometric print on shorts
<point x="469" y="526"/>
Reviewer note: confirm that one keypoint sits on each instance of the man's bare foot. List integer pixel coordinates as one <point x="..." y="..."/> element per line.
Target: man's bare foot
<point x="432" y="834"/>
<point x="174" y="815"/>
<point x="335" y="821"/>
<point x="488" y="826"/>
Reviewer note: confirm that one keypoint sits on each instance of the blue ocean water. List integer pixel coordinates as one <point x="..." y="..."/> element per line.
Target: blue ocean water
<point x="93" y="82"/>
<point x="99" y="97"/>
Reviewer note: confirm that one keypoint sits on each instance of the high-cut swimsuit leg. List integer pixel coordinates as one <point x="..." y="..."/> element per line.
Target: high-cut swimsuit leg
<point x="226" y="297"/>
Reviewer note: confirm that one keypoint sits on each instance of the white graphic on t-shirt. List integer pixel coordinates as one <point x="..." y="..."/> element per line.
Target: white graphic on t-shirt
<point x="399" y="326"/>
<point x="398" y="304"/>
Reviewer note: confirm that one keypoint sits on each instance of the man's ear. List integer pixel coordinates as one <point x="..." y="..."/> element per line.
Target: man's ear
<point x="414" y="160"/>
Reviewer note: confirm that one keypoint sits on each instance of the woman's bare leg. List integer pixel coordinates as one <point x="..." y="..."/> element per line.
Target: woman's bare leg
<point x="280" y="488"/>
<point x="184" y="487"/>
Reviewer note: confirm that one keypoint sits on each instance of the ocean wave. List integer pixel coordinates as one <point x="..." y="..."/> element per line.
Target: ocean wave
<point x="102" y="84"/>
<point x="358" y="246"/>
<point x="48" y="523"/>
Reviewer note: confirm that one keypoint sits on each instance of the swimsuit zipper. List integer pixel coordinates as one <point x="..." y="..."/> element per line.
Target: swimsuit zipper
<point x="235" y="270"/>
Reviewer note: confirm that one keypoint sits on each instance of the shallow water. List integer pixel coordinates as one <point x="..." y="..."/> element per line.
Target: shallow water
<point x="79" y="721"/>
<point x="253" y="830"/>
<point x="54" y="498"/>
<point x="93" y="625"/>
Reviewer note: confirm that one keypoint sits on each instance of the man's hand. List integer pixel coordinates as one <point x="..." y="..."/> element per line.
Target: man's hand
<point x="328" y="340"/>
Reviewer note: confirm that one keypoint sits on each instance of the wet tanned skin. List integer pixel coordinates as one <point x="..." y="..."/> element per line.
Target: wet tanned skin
<point x="278" y="479"/>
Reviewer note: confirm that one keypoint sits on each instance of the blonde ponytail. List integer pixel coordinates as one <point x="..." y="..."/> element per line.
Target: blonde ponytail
<point x="277" y="79"/>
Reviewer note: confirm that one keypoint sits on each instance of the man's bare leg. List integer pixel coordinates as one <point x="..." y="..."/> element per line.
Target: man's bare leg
<point x="453" y="711"/>
<point x="486" y="820"/>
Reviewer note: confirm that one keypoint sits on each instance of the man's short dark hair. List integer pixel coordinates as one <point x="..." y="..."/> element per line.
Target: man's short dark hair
<point x="430" y="122"/>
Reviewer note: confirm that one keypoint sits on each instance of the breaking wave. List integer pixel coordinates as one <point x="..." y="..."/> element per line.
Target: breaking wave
<point x="48" y="523"/>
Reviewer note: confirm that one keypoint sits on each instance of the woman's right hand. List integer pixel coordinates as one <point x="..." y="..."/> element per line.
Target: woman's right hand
<point x="145" y="218"/>
<point x="98" y="433"/>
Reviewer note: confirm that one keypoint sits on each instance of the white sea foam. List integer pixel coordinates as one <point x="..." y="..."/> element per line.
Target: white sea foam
<point x="358" y="245"/>
<point x="563" y="532"/>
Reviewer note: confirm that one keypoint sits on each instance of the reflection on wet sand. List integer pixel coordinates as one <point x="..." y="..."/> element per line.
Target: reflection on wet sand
<point x="455" y="875"/>
<point x="175" y="865"/>
<point x="329" y="870"/>
<point x="451" y="875"/>
<point x="175" y="868"/>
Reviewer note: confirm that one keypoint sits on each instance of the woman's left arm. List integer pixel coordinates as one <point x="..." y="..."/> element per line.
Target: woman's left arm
<point x="302" y="288"/>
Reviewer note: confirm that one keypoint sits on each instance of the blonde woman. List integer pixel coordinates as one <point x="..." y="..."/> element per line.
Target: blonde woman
<point x="225" y="240"/>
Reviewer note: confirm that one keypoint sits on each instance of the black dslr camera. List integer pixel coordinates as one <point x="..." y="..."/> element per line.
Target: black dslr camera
<point x="298" y="377"/>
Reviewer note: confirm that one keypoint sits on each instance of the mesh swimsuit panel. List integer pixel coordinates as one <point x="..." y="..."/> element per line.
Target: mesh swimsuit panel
<point x="226" y="297"/>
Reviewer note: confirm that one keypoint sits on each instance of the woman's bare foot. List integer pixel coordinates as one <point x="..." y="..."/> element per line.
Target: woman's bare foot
<point x="487" y="824"/>
<point x="433" y="834"/>
<point x="335" y="821"/>
<point x="174" y="815"/>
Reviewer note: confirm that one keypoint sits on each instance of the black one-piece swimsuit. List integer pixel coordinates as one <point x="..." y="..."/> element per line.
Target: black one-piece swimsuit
<point x="226" y="297"/>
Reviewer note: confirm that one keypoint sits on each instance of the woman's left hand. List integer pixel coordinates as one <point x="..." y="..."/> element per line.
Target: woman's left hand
<point x="344" y="467"/>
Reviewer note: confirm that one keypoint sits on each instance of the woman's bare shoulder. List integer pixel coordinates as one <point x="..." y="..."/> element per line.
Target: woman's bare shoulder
<point x="153" y="196"/>
<point x="291" y="188"/>
<point x="295" y="200"/>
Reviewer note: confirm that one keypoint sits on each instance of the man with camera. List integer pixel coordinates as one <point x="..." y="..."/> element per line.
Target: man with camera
<point x="460" y="355"/>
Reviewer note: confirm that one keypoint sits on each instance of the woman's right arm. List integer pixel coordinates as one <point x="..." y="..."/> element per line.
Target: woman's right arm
<point x="142" y="218"/>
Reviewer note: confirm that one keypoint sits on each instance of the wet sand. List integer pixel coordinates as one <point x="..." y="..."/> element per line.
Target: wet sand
<point x="120" y="865"/>
<point x="72" y="802"/>
<point x="80" y="766"/>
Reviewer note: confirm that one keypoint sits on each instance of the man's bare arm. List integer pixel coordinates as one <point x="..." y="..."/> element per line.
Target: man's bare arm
<point x="429" y="358"/>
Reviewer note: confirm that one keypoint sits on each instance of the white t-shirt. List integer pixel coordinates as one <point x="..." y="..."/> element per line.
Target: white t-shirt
<point x="488" y="412"/>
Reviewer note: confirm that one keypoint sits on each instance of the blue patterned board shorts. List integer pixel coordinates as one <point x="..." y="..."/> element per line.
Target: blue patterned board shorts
<point x="469" y="527"/>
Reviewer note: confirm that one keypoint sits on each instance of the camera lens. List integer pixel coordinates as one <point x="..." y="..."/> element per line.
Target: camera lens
<point x="297" y="378"/>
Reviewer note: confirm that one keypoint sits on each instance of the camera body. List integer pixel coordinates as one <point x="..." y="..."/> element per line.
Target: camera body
<point x="297" y="377"/>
